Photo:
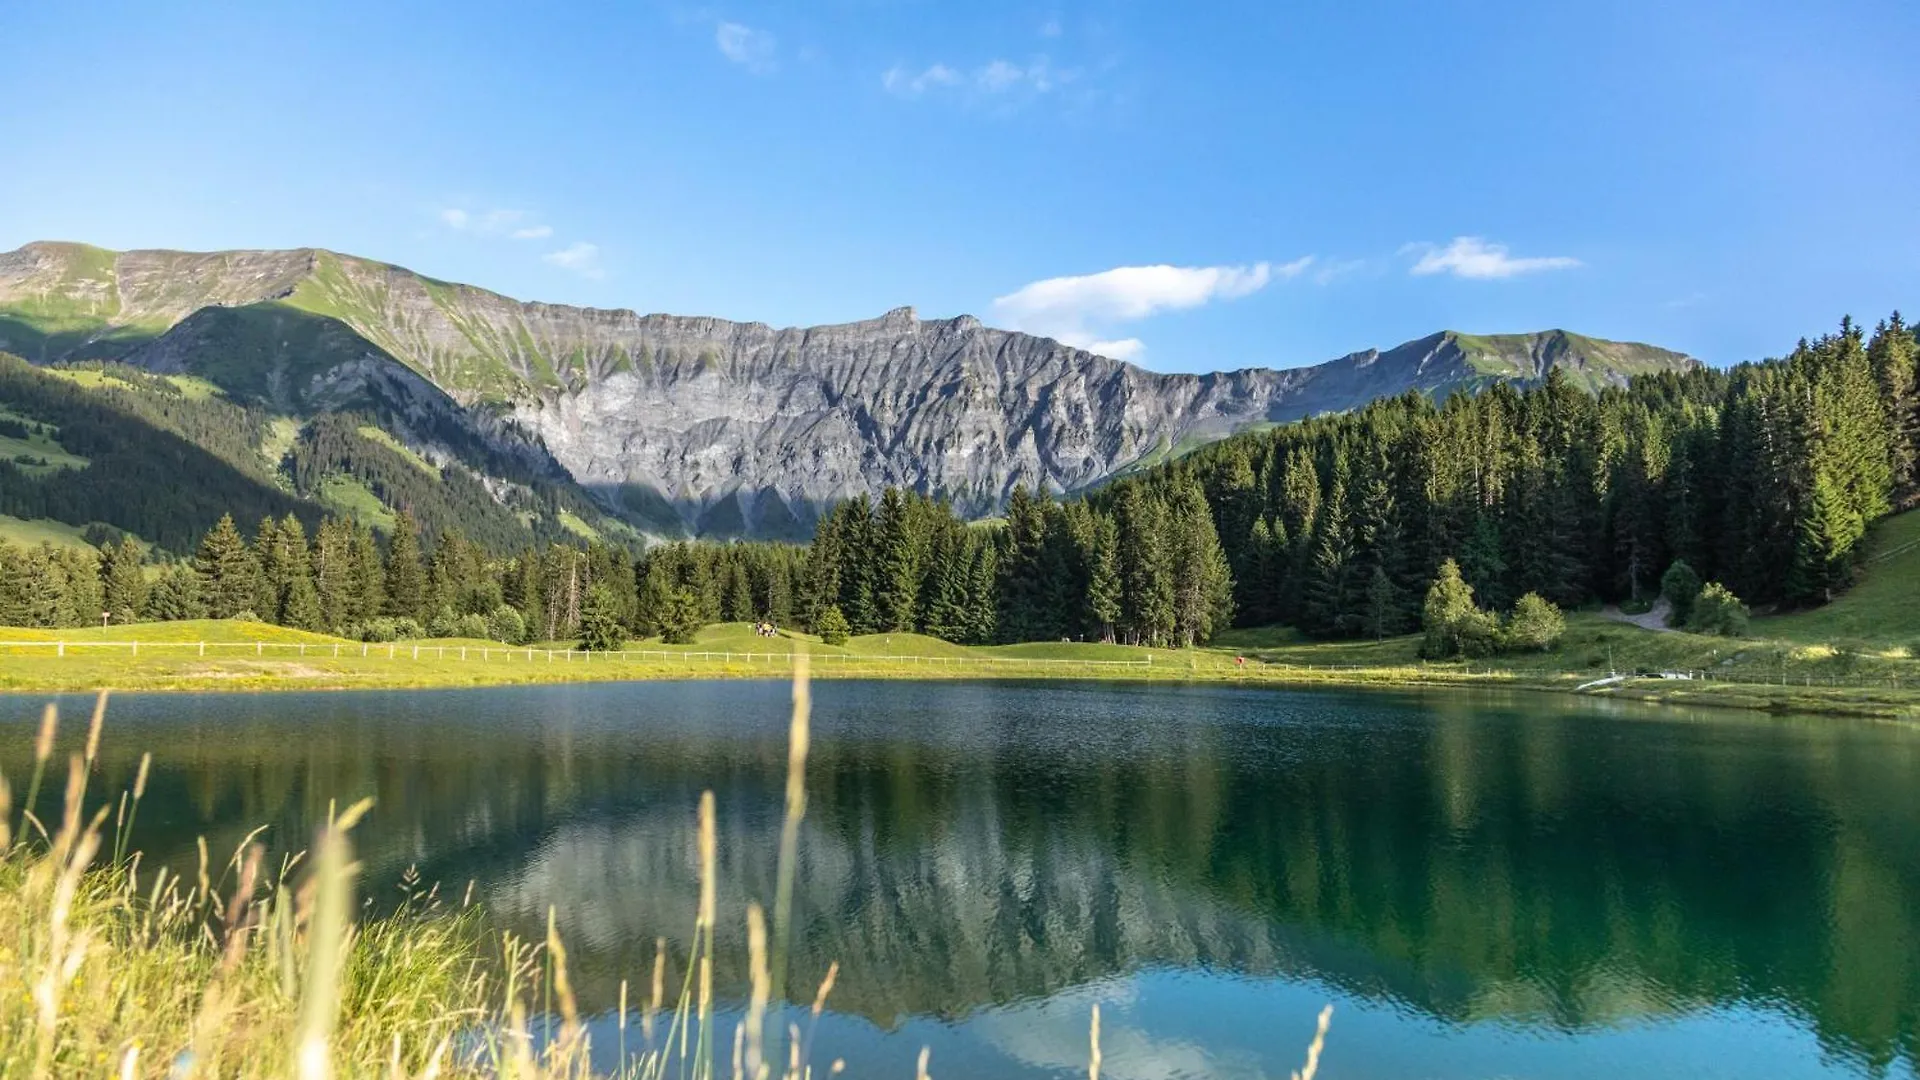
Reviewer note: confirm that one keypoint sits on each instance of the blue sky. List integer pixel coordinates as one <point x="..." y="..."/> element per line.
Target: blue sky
<point x="1196" y="186"/>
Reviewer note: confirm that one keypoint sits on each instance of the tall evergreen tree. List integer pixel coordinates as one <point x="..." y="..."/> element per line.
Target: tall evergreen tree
<point x="228" y="574"/>
<point x="123" y="581"/>
<point x="406" y="580"/>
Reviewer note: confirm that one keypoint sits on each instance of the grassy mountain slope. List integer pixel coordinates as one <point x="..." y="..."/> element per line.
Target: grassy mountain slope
<point x="674" y="424"/>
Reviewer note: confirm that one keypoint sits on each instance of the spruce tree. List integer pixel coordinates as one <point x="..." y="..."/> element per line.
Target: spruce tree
<point x="406" y="580"/>
<point x="123" y="582"/>
<point x="368" y="594"/>
<point x="1202" y="582"/>
<point x="175" y="595"/>
<point x="600" y="627"/>
<point x="228" y="574"/>
<point x="1103" y="584"/>
<point x="897" y="564"/>
<point x="1893" y="356"/>
<point x="270" y="584"/>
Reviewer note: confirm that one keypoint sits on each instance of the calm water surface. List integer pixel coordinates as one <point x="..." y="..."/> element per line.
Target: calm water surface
<point x="1483" y="886"/>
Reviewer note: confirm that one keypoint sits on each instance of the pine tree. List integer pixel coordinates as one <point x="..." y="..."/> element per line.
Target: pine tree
<point x="1383" y="606"/>
<point x="832" y="626"/>
<point x="406" y="580"/>
<point x="228" y="574"/>
<point x="683" y="618"/>
<point x="368" y="594"/>
<point x="271" y="582"/>
<point x="333" y="573"/>
<point x="175" y="595"/>
<point x="600" y="627"/>
<point x="301" y="608"/>
<point x="897" y="570"/>
<point x="1453" y="624"/>
<point x="1146" y="583"/>
<point x="983" y="594"/>
<point x="1893" y="356"/>
<point x="123" y="582"/>
<point x="1332" y="602"/>
<point x="1202" y="582"/>
<point x="1103" y="585"/>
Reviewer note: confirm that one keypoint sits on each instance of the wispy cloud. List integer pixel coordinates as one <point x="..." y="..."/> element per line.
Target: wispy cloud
<point x="1069" y="309"/>
<point x="997" y="78"/>
<point x="751" y="49"/>
<point x="1051" y="28"/>
<point x="495" y="222"/>
<point x="580" y="257"/>
<point x="1478" y="259"/>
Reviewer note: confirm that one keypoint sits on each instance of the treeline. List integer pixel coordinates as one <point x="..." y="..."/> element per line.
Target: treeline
<point x="150" y="469"/>
<point x="164" y="463"/>
<point x="1759" y="481"/>
<point x="1763" y="477"/>
<point x="340" y="580"/>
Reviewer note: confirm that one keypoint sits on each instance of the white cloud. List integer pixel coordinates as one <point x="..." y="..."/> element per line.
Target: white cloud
<point x="751" y="49"/>
<point x="580" y="257"/>
<point x="1050" y="28"/>
<point x="1475" y="258"/>
<point x="899" y="80"/>
<point x="995" y="78"/>
<point x="494" y="222"/>
<point x="1067" y="308"/>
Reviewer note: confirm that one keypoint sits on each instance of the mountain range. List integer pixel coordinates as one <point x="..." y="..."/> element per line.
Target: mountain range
<point x="676" y="425"/>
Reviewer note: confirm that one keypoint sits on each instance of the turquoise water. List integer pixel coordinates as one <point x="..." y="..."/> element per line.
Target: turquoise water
<point x="1482" y="886"/>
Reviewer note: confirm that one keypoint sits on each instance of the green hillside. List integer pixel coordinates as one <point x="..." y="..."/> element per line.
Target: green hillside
<point x="1882" y="609"/>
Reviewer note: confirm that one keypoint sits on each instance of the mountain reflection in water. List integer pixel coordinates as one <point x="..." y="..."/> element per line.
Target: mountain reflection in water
<point x="979" y="852"/>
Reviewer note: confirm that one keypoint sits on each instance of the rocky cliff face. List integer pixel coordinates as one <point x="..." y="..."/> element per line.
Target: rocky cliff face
<point x="713" y="426"/>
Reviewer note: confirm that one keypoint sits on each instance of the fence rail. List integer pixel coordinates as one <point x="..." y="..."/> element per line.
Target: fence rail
<point x="532" y="654"/>
<point x="1252" y="666"/>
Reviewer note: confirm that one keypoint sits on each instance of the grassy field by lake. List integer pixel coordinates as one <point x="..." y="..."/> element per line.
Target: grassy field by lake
<point x="1765" y="672"/>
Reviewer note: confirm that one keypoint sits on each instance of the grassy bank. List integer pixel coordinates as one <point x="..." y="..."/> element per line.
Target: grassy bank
<point x="249" y="971"/>
<point x="1787" y="666"/>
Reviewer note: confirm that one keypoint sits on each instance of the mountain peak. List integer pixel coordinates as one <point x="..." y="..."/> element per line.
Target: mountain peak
<point x="714" y="424"/>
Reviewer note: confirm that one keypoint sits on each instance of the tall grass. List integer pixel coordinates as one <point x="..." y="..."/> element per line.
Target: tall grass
<point x="110" y="968"/>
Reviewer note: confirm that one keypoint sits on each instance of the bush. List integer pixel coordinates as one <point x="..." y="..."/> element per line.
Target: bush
<point x="384" y="628"/>
<point x="1453" y="625"/>
<point x="832" y="626"/>
<point x="443" y="623"/>
<point x="1536" y="625"/>
<point x="1717" y="611"/>
<point x="505" y="624"/>
<point x="1681" y="586"/>
<point x="471" y="626"/>
<point x="244" y="616"/>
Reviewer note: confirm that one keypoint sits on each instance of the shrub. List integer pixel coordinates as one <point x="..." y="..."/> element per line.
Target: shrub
<point x="442" y="623"/>
<point x="384" y="628"/>
<point x="1536" y="625"/>
<point x="832" y="626"/>
<point x="244" y="616"/>
<point x="505" y="624"/>
<point x="1681" y="586"/>
<point x="471" y="626"/>
<point x="1717" y="611"/>
<point x="1453" y="625"/>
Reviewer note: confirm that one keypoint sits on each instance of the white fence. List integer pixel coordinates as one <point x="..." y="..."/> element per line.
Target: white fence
<point x="527" y="654"/>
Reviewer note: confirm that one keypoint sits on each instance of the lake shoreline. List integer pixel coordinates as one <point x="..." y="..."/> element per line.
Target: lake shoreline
<point x="38" y="675"/>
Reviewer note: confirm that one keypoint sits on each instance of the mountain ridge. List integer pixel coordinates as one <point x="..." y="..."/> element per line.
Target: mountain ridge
<point x="698" y="423"/>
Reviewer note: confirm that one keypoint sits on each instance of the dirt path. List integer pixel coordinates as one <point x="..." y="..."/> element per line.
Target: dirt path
<point x="1654" y="618"/>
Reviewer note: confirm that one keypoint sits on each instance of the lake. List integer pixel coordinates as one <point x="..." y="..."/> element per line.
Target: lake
<point x="1482" y="885"/>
